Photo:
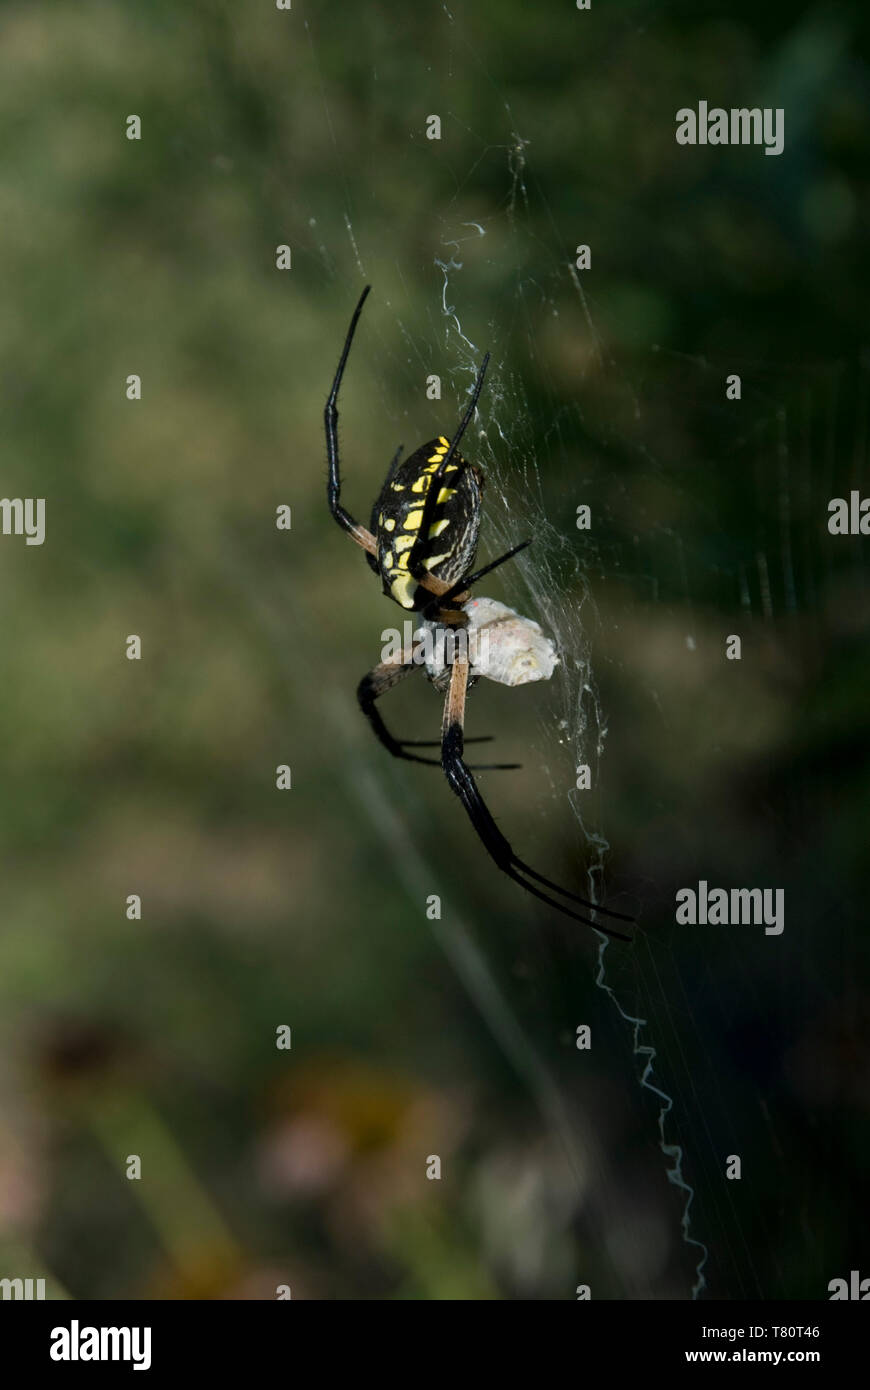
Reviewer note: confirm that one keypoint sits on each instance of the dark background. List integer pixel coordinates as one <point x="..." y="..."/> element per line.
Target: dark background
<point x="307" y="907"/>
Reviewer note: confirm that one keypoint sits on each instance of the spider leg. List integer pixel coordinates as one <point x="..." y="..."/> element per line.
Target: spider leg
<point x="463" y="784"/>
<point x="376" y="683"/>
<point x="467" y="581"/>
<point x="348" y="523"/>
<point x="394" y="463"/>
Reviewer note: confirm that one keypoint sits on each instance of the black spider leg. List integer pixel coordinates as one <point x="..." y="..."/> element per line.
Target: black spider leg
<point x="415" y="558"/>
<point x="330" y="416"/>
<point x="376" y="683"/>
<point x="391" y="471"/>
<point x="466" y="583"/>
<point x="463" y="784"/>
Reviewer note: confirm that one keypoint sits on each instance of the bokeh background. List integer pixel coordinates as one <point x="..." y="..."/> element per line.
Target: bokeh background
<point x="307" y="907"/>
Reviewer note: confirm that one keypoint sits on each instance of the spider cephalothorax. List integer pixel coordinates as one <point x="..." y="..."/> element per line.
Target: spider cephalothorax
<point x="422" y="542"/>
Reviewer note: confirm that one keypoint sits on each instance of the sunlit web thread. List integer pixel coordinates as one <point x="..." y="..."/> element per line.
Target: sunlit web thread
<point x="564" y="624"/>
<point x="671" y="1151"/>
<point x="585" y="714"/>
<point x="539" y="576"/>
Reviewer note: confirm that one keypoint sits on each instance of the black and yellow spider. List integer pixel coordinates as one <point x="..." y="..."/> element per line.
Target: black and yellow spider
<point x="422" y="543"/>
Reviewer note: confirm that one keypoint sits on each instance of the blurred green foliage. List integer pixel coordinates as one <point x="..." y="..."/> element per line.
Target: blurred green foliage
<point x="157" y="257"/>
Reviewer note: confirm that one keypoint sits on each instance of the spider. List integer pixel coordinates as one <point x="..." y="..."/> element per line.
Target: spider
<point x="422" y="543"/>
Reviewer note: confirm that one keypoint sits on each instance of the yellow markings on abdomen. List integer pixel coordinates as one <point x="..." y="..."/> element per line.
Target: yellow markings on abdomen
<point x="402" y="585"/>
<point x="422" y="481"/>
<point x="402" y="589"/>
<point x="440" y="449"/>
<point x="414" y="519"/>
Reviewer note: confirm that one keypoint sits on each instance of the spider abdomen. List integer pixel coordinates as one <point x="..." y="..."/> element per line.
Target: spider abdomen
<point x="451" y="540"/>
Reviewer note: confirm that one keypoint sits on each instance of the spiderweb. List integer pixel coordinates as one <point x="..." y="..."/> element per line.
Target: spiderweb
<point x="556" y="576"/>
<point x="659" y="554"/>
